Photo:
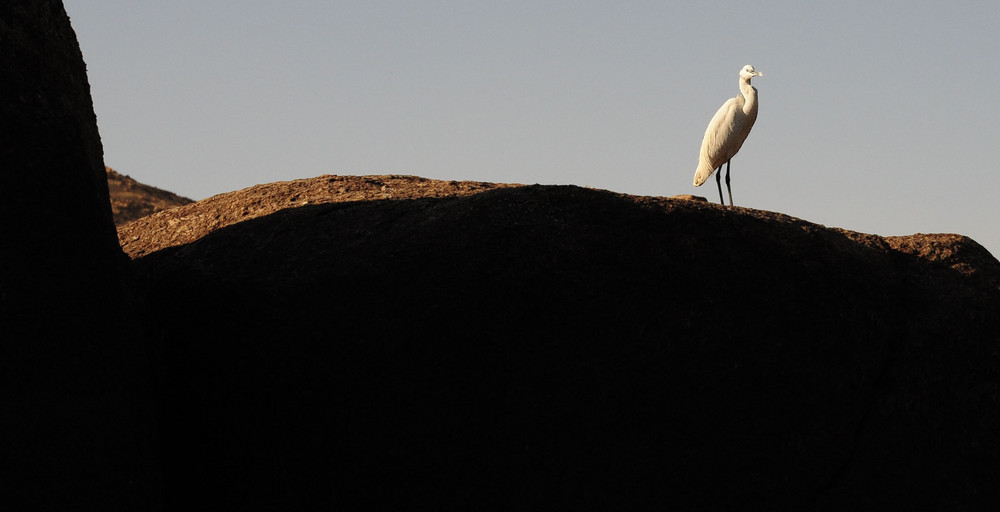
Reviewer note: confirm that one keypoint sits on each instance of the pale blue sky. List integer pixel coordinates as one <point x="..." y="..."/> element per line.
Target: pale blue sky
<point x="874" y="116"/>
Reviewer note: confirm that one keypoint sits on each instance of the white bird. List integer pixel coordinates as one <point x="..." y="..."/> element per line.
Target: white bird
<point x="726" y="132"/>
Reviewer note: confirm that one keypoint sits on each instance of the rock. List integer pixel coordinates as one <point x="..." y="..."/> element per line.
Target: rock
<point x="689" y="197"/>
<point x="570" y="348"/>
<point x="78" y="427"/>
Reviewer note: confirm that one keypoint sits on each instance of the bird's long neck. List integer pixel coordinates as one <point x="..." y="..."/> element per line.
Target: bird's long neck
<point x="749" y="96"/>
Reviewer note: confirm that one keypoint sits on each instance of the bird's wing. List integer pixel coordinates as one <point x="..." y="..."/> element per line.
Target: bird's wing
<point x="717" y="139"/>
<point x="720" y="142"/>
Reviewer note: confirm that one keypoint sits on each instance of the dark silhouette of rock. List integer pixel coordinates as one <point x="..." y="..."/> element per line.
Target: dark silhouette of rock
<point x="131" y="200"/>
<point x="77" y="429"/>
<point x="551" y="347"/>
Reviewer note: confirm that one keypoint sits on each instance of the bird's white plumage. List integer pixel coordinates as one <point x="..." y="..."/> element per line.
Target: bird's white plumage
<point x="728" y="128"/>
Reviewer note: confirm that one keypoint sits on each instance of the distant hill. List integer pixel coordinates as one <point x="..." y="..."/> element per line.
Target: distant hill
<point x="132" y="200"/>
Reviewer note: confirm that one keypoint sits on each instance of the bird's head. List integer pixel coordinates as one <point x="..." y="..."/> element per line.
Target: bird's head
<point x="749" y="72"/>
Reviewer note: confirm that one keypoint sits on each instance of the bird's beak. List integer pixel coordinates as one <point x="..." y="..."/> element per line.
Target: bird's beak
<point x="758" y="73"/>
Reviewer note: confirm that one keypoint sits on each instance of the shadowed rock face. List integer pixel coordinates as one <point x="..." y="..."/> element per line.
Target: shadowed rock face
<point x="77" y="429"/>
<point x="564" y="347"/>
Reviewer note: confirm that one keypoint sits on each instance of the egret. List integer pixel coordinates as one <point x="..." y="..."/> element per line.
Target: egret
<point x="726" y="132"/>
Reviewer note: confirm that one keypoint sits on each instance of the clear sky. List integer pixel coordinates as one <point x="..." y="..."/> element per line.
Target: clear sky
<point x="878" y="117"/>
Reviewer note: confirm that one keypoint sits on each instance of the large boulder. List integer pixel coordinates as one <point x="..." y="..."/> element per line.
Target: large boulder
<point x="78" y="428"/>
<point x="552" y="347"/>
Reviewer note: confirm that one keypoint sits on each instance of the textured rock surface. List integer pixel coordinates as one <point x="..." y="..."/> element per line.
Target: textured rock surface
<point x="77" y="428"/>
<point x="189" y="223"/>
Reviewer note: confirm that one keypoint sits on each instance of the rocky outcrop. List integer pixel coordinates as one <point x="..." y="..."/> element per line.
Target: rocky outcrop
<point x="77" y="428"/>
<point x="559" y="347"/>
<point x="131" y="200"/>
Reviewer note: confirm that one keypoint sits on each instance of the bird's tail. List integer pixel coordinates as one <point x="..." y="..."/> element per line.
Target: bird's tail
<point x="703" y="173"/>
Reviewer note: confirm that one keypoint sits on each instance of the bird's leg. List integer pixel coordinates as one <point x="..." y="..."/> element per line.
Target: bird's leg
<point x="718" y="181"/>
<point x="727" y="183"/>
